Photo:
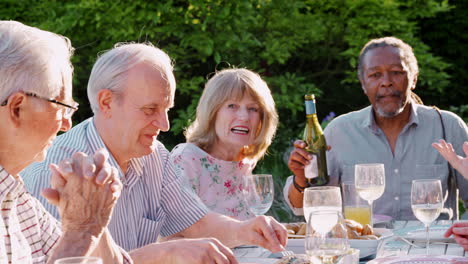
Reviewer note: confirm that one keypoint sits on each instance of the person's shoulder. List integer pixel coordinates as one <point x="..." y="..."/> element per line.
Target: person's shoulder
<point x="451" y="116"/>
<point x="430" y="112"/>
<point x="350" y="118"/>
<point x="185" y="148"/>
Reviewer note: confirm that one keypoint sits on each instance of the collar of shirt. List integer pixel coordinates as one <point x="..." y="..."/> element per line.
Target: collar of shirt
<point x="371" y="124"/>
<point x="8" y="184"/>
<point x="135" y="167"/>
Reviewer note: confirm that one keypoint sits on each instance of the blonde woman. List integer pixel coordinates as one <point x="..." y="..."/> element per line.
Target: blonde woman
<point x="235" y="123"/>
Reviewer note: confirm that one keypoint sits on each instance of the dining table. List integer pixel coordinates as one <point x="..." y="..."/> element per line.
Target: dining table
<point x="394" y="245"/>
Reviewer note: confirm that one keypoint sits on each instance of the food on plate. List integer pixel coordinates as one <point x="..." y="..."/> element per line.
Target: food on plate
<point x="367" y="230"/>
<point x="294" y="259"/>
<point x="296" y="228"/>
<point x="293" y="227"/>
<point x="352" y="225"/>
<point x="355" y="230"/>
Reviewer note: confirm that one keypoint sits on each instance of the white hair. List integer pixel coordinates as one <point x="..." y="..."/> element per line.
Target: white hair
<point x="33" y="60"/>
<point x="111" y="69"/>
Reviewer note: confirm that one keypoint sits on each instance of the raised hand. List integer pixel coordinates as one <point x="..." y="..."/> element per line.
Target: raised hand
<point x="459" y="163"/>
<point x="298" y="159"/>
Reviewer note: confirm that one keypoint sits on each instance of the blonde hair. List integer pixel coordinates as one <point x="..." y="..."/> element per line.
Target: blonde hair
<point x="234" y="84"/>
<point x="33" y="60"/>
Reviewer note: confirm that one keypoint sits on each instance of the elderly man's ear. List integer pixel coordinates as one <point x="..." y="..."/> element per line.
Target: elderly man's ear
<point x="15" y="105"/>
<point x="415" y="80"/>
<point x="104" y="100"/>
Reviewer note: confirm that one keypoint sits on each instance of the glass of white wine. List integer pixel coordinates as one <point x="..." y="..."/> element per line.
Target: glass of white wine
<point x="259" y="192"/>
<point x="323" y="198"/>
<point x="426" y="202"/>
<point x="326" y="238"/>
<point x="369" y="180"/>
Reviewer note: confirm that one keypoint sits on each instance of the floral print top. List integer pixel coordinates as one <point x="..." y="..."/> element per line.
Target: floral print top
<point x="218" y="183"/>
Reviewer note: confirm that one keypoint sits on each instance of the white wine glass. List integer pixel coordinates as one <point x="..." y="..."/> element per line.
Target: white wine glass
<point x="323" y="198"/>
<point x="426" y="203"/>
<point x="326" y="238"/>
<point x="259" y="192"/>
<point x="369" y="180"/>
<point x="79" y="260"/>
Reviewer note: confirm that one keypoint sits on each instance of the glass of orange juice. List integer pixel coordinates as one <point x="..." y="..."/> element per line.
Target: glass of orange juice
<point x="354" y="207"/>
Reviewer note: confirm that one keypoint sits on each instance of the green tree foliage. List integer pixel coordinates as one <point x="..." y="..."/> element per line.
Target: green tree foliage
<point x="298" y="46"/>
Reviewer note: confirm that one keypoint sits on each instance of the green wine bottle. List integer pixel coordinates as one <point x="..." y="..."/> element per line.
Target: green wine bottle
<point x="315" y="172"/>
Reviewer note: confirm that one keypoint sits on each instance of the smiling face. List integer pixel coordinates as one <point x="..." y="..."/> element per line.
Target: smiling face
<point x="139" y="113"/>
<point x="237" y="123"/>
<point x="387" y="81"/>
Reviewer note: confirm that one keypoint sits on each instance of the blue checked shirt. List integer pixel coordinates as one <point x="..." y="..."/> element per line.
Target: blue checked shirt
<point x="154" y="199"/>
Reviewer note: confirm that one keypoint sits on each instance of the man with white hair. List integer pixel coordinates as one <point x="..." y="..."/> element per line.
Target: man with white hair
<point x="131" y="89"/>
<point x="35" y="103"/>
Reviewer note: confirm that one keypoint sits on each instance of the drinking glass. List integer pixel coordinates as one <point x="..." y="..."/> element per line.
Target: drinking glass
<point x="321" y="199"/>
<point x="79" y="260"/>
<point x="326" y="238"/>
<point x="369" y="180"/>
<point x="426" y="202"/>
<point x="354" y="207"/>
<point x="259" y="192"/>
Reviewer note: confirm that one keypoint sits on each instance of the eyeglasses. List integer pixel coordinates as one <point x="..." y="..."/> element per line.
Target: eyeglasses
<point x="69" y="110"/>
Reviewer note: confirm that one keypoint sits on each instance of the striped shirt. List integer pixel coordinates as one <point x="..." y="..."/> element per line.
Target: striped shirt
<point x="27" y="231"/>
<point x="154" y="199"/>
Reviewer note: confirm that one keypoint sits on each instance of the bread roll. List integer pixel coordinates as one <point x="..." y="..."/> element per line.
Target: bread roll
<point x="367" y="230"/>
<point x="302" y="230"/>
<point x="353" y="225"/>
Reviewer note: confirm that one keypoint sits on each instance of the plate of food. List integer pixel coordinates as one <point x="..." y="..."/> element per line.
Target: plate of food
<point x="364" y="238"/>
<point x="419" y="259"/>
<point x="418" y="233"/>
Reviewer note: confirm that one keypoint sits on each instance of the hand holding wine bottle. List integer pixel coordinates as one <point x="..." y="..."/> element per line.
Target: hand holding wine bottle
<point x="299" y="158"/>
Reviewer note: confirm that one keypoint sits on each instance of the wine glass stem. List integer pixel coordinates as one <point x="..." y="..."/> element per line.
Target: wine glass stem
<point x="427" y="238"/>
<point x="371" y="221"/>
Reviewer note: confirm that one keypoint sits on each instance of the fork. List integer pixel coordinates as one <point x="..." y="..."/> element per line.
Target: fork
<point x="282" y="254"/>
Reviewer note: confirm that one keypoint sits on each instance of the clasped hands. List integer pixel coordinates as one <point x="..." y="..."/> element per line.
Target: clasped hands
<point x="85" y="190"/>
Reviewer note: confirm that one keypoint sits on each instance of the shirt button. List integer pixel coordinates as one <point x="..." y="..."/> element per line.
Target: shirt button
<point x="397" y="198"/>
<point x="396" y="171"/>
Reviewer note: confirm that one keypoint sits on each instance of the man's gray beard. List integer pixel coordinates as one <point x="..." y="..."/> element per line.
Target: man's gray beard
<point x="382" y="113"/>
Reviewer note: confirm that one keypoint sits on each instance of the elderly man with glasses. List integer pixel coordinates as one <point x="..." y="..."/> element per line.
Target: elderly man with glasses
<point x="35" y="91"/>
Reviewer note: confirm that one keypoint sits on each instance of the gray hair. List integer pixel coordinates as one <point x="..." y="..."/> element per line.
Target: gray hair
<point x="33" y="60"/>
<point x="406" y="53"/>
<point x="111" y="69"/>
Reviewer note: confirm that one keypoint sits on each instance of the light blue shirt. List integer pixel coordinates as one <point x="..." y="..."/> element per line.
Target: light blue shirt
<point x="154" y="199"/>
<point x="355" y="138"/>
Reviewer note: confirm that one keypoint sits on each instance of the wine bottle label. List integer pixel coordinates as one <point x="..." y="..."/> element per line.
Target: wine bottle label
<point x="310" y="107"/>
<point x="311" y="169"/>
